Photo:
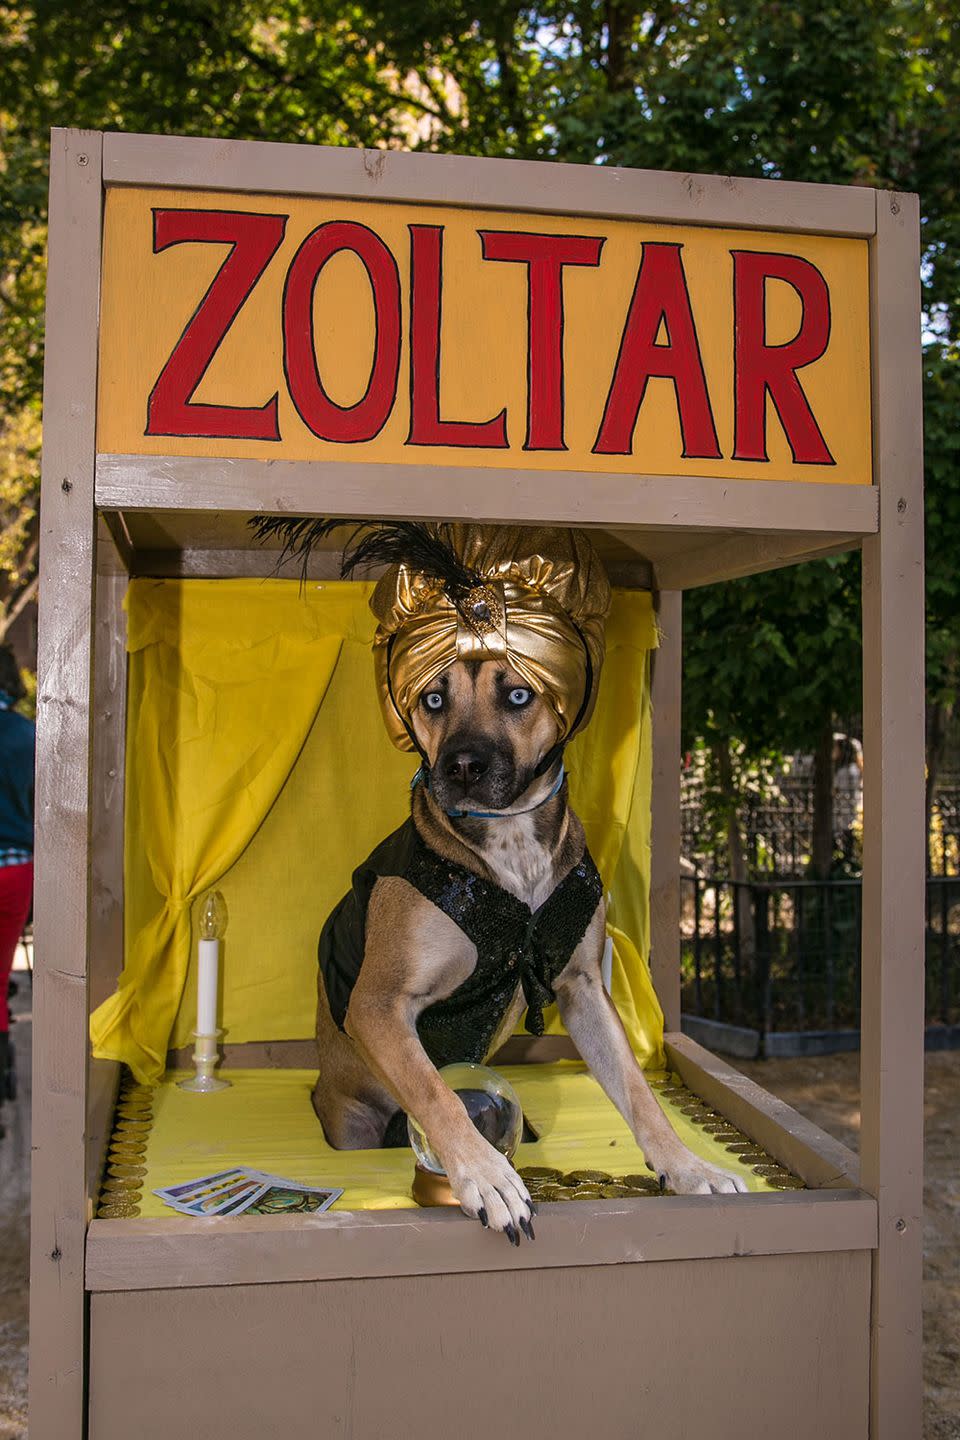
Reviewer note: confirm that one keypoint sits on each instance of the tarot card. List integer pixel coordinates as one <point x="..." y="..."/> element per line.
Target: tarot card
<point x="232" y="1201"/>
<point x="208" y="1191"/>
<point x="286" y="1197"/>
<point x="241" y="1189"/>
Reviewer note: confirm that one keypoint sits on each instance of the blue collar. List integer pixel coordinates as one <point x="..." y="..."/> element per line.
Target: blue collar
<point x="494" y="814"/>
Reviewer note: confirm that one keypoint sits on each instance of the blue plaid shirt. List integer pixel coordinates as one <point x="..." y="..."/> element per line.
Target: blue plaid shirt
<point x="16" y="785"/>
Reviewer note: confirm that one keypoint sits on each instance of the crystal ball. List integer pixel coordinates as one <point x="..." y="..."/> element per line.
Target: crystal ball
<point x="489" y="1100"/>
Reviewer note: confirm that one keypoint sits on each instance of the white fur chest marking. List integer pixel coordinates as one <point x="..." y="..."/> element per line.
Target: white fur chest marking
<point x="519" y="861"/>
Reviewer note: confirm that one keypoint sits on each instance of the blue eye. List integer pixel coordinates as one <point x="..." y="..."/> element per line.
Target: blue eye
<point x="434" y="700"/>
<point x="519" y="696"/>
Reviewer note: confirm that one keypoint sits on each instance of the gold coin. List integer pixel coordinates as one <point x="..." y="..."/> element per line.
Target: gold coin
<point x="675" y="1092"/>
<point x="126" y="1149"/>
<point x="126" y="1170"/>
<point x="771" y="1171"/>
<point x="587" y="1177"/>
<point x="549" y="1193"/>
<point x="745" y="1147"/>
<point x="128" y="1201"/>
<point x="539" y="1172"/>
<point x="587" y="1192"/>
<point x="615" y="1191"/>
<point x="640" y="1181"/>
<point x="128" y="1111"/>
<point x="132" y="1127"/>
<point x="785" y="1182"/>
<point x="642" y="1192"/>
<point x="127" y="1182"/>
<point x="118" y="1212"/>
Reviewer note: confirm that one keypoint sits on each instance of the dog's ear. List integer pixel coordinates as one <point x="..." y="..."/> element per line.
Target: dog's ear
<point x="377" y="542"/>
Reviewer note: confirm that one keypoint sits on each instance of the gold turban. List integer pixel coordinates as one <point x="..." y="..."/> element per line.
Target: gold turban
<point x="540" y="604"/>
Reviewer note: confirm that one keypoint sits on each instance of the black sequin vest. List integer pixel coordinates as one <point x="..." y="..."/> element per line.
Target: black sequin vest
<point x="514" y="944"/>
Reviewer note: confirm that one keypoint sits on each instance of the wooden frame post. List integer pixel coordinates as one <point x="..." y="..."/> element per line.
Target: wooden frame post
<point x="665" y="809"/>
<point x="892" y="1018"/>
<point x="62" y="850"/>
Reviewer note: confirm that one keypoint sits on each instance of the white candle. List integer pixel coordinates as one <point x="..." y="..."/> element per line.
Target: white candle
<point x="208" y="967"/>
<point x="213" y="922"/>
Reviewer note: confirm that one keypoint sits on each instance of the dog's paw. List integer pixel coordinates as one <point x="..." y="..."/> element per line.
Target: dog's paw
<point x="686" y="1174"/>
<point x="490" y="1190"/>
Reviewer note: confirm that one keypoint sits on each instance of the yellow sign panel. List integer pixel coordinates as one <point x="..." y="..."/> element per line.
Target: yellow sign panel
<point x="280" y="328"/>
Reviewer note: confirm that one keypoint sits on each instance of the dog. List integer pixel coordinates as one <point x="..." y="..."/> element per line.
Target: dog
<point x="484" y="820"/>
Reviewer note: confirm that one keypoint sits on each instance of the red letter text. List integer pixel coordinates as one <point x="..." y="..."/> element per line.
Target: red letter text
<point x="344" y="424"/>
<point x="659" y="296"/>
<point x="426" y="297"/>
<point x="253" y="241"/>
<point x="544" y="257"/>
<point x="761" y="368"/>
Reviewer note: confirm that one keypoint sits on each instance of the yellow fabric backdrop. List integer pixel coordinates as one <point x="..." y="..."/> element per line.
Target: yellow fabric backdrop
<point x="257" y="762"/>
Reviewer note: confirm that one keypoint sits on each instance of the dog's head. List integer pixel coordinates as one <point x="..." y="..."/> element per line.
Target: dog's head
<point x="484" y="733"/>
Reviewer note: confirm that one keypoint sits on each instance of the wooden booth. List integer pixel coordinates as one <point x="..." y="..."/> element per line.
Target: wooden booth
<point x="715" y="376"/>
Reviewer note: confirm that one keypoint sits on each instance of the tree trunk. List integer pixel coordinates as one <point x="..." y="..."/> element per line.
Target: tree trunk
<point x="938" y="724"/>
<point x="821" y="857"/>
<point x="736" y="853"/>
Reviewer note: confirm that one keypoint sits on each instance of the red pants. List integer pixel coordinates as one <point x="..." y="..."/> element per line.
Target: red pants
<point x="16" y="888"/>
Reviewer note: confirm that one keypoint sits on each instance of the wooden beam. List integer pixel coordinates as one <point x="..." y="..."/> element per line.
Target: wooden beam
<point x="741" y="555"/>
<point x="67" y="565"/>
<point x="821" y="1161"/>
<point x="892" y="1004"/>
<point x="494" y="496"/>
<point x="538" y="188"/>
<point x="665" y="809"/>
<point x="182" y="1252"/>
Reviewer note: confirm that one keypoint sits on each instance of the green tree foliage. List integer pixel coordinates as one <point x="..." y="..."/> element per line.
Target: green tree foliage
<point x="790" y="89"/>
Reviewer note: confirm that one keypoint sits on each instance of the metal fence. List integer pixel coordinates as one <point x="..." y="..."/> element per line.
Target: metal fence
<point x="784" y="955"/>
<point x="777" y="829"/>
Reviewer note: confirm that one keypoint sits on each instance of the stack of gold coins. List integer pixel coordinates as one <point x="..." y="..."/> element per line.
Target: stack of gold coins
<point x="121" y="1189"/>
<point x="548" y="1184"/>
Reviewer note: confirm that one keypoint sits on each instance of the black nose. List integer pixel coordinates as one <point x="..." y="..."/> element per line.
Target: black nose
<point x="465" y="766"/>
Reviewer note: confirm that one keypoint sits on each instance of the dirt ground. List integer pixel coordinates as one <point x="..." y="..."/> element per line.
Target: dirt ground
<point x="826" y="1090"/>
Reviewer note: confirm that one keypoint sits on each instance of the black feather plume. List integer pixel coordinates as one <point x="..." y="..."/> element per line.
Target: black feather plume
<point x="374" y="542"/>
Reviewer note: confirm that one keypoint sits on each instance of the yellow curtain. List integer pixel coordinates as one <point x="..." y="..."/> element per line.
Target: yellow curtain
<point x="257" y="762"/>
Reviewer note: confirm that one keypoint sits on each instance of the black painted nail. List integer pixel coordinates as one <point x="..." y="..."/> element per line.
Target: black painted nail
<point x="512" y="1235"/>
<point x="533" y="1208"/>
<point x="527" y="1228"/>
<point x="663" y="1183"/>
<point x="482" y="1217"/>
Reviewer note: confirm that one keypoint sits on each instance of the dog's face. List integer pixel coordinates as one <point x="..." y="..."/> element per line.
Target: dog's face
<point x="484" y="732"/>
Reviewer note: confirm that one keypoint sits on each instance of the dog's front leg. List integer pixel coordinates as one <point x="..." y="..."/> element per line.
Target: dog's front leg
<point x="415" y="955"/>
<point x="597" y="1031"/>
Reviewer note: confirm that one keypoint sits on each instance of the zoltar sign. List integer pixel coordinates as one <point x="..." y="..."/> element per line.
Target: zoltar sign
<point x="278" y="328"/>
